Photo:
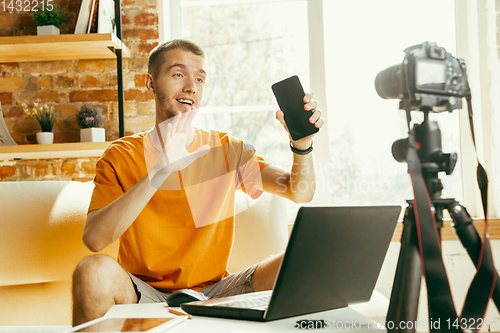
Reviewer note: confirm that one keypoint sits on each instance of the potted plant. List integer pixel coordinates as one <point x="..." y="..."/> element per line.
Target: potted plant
<point x="91" y="122"/>
<point x="48" y="18"/>
<point x="46" y="118"/>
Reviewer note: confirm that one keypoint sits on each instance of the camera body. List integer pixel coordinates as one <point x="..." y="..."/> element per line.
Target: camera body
<point x="429" y="78"/>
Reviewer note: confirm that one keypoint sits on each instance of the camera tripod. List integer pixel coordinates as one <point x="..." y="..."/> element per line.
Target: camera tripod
<point x="405" y="293"/>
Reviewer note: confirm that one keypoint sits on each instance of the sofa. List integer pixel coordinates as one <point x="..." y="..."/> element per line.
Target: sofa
<point x="41" y="225"/>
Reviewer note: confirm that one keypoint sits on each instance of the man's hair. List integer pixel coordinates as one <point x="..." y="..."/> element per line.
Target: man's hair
<point x="157" y="54"/>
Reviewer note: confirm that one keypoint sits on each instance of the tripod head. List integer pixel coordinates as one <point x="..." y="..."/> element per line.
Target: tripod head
<point x="430" y="153"/>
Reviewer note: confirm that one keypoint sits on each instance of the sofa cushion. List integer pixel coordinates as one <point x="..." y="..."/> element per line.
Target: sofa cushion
<point x="41" y="226"/>
<point x="261" y="230"/>
<point x="41" y="243"/>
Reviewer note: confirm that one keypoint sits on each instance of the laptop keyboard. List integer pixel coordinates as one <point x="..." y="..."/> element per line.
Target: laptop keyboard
<point x="258" y="303"/>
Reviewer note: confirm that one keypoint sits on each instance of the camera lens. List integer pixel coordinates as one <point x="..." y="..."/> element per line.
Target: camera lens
<point x="388" y="82"/>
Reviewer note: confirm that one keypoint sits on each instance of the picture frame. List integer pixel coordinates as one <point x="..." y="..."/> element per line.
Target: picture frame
<point x="106" y="17"/>
<point x="83" y="17"/>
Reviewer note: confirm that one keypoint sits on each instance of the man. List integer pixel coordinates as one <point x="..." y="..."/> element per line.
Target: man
<point x="168" y="194"/>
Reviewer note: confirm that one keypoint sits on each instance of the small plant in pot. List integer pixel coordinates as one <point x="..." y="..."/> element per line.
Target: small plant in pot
<point x="91" y="122"/>
<point x="48" y="18"/>
<point x="46" y="118"/>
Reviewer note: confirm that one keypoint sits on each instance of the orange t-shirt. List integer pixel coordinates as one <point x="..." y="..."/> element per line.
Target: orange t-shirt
<point x="183" y="236"/>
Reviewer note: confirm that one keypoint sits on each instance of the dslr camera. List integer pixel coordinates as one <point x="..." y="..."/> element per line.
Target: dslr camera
<point x="430" y="78"/>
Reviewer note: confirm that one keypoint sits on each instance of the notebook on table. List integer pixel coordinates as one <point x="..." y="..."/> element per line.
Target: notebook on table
<point x="332" y="260"/>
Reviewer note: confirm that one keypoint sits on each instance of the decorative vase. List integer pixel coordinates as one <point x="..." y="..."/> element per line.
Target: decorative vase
<point x="44" y="138"/>
<point x="92" y="134"/>
<point x="47" y="30"/>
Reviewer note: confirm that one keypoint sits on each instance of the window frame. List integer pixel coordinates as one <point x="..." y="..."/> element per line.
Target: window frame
<point x="471" y="29"/>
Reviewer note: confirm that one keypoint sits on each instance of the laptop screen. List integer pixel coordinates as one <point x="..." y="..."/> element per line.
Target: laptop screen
<point x="333" y="258"/>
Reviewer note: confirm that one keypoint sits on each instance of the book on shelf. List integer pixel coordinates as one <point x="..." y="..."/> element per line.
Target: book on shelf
<point x="96" y="16"/>
<point x="92" y="27"/>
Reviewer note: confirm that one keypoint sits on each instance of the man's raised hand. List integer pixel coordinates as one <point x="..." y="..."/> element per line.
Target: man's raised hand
<point x="171" y="135"/>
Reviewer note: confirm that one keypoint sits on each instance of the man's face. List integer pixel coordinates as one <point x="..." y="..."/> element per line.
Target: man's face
<point x="179" y="83"/>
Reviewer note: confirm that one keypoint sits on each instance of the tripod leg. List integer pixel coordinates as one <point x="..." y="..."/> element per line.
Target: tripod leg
<point x="470" y="239"/>
<point x="405" y="292"/>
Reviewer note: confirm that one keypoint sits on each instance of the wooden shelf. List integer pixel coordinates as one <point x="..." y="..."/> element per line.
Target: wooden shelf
<point x="56" y="150"/>
<point x="60" y="47"/>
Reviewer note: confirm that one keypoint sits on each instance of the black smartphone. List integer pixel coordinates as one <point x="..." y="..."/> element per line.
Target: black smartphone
<point x="290" y="96"/>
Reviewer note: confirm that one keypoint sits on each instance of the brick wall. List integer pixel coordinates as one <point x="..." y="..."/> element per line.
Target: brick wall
<point x="80" y="169"/>
<point x="67" y="85"/>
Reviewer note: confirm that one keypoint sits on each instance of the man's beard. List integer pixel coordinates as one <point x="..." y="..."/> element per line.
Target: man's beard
<point x="162" y="104"/>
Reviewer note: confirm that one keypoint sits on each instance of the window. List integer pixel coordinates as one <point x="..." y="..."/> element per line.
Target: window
<point x="250" y="45"/>
<point x="254" y="43"/>
<point x="362" y="38"/>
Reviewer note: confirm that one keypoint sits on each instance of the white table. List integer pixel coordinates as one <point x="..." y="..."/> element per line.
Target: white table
<point x="375" y="309"/>
<point x="348" y="318"/>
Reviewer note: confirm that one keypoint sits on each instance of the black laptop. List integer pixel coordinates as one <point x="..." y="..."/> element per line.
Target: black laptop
<point x="332" y="260"/>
